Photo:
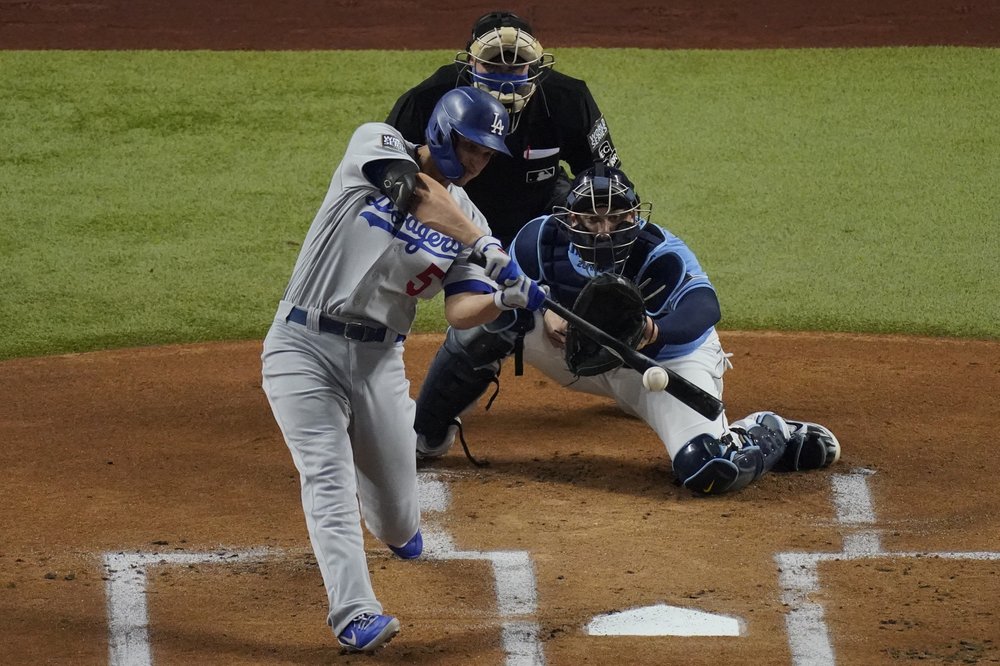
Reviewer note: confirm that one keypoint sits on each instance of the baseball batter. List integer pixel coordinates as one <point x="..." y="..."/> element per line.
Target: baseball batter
<point x="394" y="227"/>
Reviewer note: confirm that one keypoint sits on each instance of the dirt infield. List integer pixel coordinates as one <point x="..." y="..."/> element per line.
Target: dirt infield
<point x="151" y="512"/>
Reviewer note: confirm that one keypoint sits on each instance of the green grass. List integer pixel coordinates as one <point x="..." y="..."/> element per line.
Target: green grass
<point x="152" y="197"/>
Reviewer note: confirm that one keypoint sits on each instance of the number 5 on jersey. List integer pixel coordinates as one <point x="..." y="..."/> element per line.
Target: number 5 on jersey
<point x="425" y="277"/>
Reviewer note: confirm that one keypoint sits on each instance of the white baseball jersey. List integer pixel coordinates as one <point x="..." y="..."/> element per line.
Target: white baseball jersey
<point x="352" y="266"/>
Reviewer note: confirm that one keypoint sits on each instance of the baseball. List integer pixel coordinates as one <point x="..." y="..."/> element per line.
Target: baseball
<point x="655" y="379"/>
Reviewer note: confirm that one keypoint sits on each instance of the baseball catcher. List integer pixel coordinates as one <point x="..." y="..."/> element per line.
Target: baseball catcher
<point x="601" y="255"/>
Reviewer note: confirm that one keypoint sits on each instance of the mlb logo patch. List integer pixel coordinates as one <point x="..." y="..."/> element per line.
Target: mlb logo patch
<point x="394" y="142"/>
<point x="539" y="175"/>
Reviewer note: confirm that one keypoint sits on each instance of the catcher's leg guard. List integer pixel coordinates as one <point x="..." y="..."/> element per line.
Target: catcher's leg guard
<point x="463" y="368"/>
<point x="713" y="466"/>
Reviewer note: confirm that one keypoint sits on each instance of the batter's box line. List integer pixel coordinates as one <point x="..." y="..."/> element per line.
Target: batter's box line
<point x="808" y="635"/>
<point x="128" y="610"/>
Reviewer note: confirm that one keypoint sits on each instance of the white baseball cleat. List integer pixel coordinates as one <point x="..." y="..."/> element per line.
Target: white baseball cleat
<point x="427" y="451"/>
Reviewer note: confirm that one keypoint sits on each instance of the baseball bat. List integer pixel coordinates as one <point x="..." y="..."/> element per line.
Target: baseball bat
<point x="691" y="395"/>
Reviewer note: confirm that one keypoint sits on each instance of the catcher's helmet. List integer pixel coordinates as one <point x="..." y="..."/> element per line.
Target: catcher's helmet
<point x="603" y="192"/>
<point x="504" y="59"/>
<point x="472" y="114"/>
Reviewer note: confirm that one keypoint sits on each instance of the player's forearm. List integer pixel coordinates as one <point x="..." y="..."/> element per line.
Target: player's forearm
<point x="698" y="311"/>
<point x="458" y="227"/>
<point x="435" y="207"/>
<point x="469" y="310"/>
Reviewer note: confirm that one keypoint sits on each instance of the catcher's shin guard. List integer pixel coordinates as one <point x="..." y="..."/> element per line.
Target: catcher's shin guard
<point x="463" y="368"/>
<point x="713" y="466"/>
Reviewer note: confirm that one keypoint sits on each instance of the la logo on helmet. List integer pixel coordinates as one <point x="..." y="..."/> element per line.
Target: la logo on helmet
<point x="497" y="127"/>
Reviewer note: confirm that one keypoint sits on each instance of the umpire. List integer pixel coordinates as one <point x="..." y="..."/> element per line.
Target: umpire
<point x="554" y="119"/>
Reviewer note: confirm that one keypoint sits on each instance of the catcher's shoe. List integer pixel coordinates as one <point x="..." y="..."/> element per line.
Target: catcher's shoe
<point x="368" y="632"/>
<point x="411" y="549"/>
<point x="427" y="450"/>
<point x="811" y="446"/>
<point x="808" y="445"/>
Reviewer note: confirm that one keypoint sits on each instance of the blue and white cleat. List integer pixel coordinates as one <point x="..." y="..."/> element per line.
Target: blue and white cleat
<point x="430" y="450"/>
<point x="808" y="445"/>
<point x="411" y="549"/>
<point x="368" y="632"/>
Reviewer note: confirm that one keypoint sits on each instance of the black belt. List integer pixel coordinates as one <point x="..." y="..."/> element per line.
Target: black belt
<point x="351" y="330"/>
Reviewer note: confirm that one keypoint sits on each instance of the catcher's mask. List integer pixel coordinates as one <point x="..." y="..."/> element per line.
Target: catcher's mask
<point x="505" y="60"/>
<point x="603" y="217"/>
<point x="469" y="113"/>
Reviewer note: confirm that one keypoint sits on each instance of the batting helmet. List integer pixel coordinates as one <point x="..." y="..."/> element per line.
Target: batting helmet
<point x="602" y="192"/>
<point x="472" y="114"/>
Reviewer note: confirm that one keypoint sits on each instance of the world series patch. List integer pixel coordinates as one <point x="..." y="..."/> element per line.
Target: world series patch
<point x="394" y="142"/>
<point x="597" y="133"/>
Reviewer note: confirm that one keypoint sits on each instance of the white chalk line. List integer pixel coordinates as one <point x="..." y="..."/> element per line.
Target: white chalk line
<point x="808" y="635"/>
<point x="128" y="612"/>
<point x="513" y="572"/>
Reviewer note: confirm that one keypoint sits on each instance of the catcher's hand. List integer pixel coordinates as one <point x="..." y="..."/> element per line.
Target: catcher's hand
<point x="649" y="333"/>
<point x="555" y="329"/>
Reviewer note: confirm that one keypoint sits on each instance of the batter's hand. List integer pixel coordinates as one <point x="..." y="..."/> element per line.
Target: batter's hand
<point x="499" y="267"/>
<point x="555" y="329"/>
<point x="524" y="293"/>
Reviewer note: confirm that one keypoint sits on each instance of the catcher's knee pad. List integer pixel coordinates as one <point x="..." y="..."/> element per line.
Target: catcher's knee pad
<point x="712" y="466"/>
<point x="465" y="365"/>
<point x="751" y="447"/>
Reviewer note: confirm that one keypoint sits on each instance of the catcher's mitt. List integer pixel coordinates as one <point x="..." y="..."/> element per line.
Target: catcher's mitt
<point x="614" y="305"/>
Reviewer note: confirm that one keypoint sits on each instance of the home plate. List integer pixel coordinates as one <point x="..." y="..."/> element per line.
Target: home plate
<point x="663" y="620"/>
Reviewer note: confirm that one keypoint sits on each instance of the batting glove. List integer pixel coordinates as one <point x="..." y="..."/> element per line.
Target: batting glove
<point x="498" y="265"/>
<point x="524" y="293"/>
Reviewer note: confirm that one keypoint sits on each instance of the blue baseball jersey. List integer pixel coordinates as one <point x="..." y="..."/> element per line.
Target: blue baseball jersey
<point x="661" y="264"/>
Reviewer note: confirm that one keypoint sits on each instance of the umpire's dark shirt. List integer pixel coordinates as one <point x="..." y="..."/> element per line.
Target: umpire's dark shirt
<point x="562" y="115"/>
